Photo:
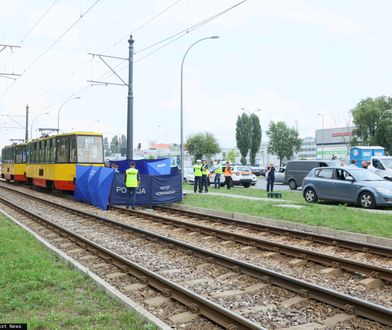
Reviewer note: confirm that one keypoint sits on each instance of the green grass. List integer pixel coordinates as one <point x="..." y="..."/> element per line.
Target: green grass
<point x="338" y="217"/>
<point x="45" y="293"/>
<point x="252" y="192"/>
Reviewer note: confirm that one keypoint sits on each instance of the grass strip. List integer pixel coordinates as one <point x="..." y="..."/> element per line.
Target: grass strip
<point x="338" y="217"/>
<point x="42" y="291"/>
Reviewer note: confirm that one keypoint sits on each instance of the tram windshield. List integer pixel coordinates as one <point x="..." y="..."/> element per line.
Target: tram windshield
<point x="90" y="149"/>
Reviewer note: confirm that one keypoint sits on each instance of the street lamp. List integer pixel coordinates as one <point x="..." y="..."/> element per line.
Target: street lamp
<point x="322" y="134"/>
<point x="58" y="113"/>
<point x="251" y="132"/>
<point x="32" y="122"/>
<point x="181" y="105"/>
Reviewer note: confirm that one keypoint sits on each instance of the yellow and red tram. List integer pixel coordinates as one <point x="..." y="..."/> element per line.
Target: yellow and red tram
<point x="13" y="166"/>
<point x="50" y="161"/>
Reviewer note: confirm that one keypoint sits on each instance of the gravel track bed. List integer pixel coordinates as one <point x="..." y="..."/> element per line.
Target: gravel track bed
<point x="98" y="266"/>
<point x="152" y="256"/>
<point x="369" y="258"/>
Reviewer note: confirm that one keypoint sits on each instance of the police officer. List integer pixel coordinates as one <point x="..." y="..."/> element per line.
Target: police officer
<point x="218" y="172"/>
<point x="204" y="172"/>
<point x="132" y="182"/>
<point x="198" y="175"/>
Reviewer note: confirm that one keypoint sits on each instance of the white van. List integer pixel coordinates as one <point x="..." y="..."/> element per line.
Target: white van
<point x="381" y="165"/>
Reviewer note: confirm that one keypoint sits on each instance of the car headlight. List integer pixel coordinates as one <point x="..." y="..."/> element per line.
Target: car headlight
<point x="384" y="191"/>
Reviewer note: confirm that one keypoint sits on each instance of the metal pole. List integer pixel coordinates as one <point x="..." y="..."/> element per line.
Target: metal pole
<point x="130" y="102"/>
<point x="27" y="124"/>
<point x="182" y="108"/>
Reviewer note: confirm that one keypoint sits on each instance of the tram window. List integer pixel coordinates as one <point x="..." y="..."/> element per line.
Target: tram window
<point x="90" y="149"/>
<point x="73" y="150"/>
<point x="42" y="152"/>
<point x="24" y="154"/>
<point x="29" y="148"/>
<point x="18" y="155"/>
<point x="49" y="151"/>
<point x="36" y="153"/>
<point x="62" y="150"/>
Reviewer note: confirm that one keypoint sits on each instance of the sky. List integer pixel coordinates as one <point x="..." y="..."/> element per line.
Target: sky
<point x="295" y="60"/>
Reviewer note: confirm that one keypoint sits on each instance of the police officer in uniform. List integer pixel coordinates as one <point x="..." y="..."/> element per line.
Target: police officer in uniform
<point x="218" y="172"/>
<point x="198" y="175"/>
<point x="132" y="182"/>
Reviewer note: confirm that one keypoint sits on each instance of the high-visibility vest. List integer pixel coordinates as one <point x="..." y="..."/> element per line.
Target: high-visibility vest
<point x="131" y="180"/>
<point x="197" y="169"/>
<point x="218" y="170"/>
<point x="204" y="169"/>
<point x="227" y="171"/>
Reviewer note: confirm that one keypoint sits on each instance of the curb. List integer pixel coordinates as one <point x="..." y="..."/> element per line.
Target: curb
<point x="361" y="238"/>
<point x="110" y="290"/>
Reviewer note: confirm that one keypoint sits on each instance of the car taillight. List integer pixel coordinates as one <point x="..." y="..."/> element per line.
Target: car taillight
<point x="237" y="173"/>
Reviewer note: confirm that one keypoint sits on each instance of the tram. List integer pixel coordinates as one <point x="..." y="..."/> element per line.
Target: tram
<point x="50" y="161"/>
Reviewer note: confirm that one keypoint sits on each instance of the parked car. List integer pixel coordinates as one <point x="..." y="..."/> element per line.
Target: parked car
<point x="256" y="170"/>
<point x="349" y="185"/>
<point x="189" y="176"/>
<point x="296" y="170"/>
<point x="280" y="174"/>
<point x="241" y="175"/>
<point x="254" y="179"/>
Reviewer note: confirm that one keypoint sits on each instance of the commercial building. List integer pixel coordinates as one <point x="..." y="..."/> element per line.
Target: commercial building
<point x="334" y="143"/>
<point x="308" y="149"/>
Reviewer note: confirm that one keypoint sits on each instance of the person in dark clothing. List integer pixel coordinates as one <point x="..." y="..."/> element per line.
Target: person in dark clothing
<point x="270" y="175"/>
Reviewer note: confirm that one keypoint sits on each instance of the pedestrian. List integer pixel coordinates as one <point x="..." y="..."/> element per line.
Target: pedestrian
<point x="218" y="173"/>
<point x="227" y="174"/>
<point x="115" y="168"/>
<point x="270" y="175"/>
<point x="364" y="164"/>
<point x="352" y="164"/>
<point x="198" y="174"/>
<point x="132" y="182"/>
<point x="204" y="176"/>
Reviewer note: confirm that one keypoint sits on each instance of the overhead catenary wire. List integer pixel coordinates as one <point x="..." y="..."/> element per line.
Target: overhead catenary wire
<point x="38" y="21"/>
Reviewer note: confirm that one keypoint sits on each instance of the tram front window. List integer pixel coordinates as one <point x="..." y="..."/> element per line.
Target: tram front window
<point x="90" y="149"/>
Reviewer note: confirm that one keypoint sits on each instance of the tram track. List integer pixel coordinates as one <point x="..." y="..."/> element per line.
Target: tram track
<point x="267" y="277"/>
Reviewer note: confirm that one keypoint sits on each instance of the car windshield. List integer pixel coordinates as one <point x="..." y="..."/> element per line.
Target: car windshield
<point x="387" y="163"/>
<point x="365" y="175"/>
<point x="243" y="168"/>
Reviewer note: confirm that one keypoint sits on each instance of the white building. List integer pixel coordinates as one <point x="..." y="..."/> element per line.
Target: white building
<point x="308" y="149"/>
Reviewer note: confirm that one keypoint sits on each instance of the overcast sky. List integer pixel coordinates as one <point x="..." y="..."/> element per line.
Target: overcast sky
<point x="293" y="59"/>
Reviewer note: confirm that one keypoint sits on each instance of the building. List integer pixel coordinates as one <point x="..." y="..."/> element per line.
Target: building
<point x="308" y="149"/>
<point x="334" y="142"/>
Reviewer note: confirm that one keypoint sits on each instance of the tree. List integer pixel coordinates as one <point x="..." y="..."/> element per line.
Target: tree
<point x="243" y="135"/>
<point x="284" y="141"/>
<point x="232" y="156"/>
<point x="202" y="144"/>
<point x="373" y="122"/>
<point x="106" y="147"/>
<point x="255" y="137"/>
<point x="114" y="145"/>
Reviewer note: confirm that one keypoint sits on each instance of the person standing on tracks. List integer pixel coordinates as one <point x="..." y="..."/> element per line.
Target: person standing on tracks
<point x="198" y="175"/>
<point x="132" y="182"/>
<point x="218" y="172"/>
<point x="204" y="177"/>
<point x="270" y="175"/>
<point x="227" y="174"/>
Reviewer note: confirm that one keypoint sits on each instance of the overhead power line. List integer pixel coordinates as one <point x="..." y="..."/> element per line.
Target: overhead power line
<point x="39" y="20"/>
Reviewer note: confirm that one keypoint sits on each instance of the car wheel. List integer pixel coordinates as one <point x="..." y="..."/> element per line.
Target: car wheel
<point x="310" y="195"/>
<point x="246" y="185"/>
<point x="293" y="184"/>
<point x="366" y="200"/>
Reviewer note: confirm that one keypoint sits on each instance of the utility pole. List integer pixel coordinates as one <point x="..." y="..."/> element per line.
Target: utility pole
<point x="27" y="123"/>
<point x="130" y="102"/>
<point x="123" y="83"/>
<point x="9" y="75"/>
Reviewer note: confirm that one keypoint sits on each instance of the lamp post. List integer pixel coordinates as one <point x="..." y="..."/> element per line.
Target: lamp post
<point x="58" y="113"/>
<point x="322" y="134"/>
<point x="32" y="122"/>
<point x="182" y="103"/>
<point x="251" y="131"/>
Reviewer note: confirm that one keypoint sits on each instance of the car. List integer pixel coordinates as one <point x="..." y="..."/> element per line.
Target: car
<point x="189" y="175"/>
<point x="348" y="185"/>
<point x="240" y="174"/>
<point x="296" y="170"/>
<point x="280" y="174"/>
<point x="258" y="171"/>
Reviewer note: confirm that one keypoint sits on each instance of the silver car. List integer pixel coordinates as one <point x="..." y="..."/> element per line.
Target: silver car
<point x="349" y="185"/>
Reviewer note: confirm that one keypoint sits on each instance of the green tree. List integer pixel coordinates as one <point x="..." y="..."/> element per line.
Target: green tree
<point x="232" y="156"/>
<point x="106" y="146"/>
<point x="243" y="135"/>
<point x="372" y="118"/>
<point x="202" y="144"/>
<point x="284" y="141"/>
<point x="255" y="137"/>
<point x="114" y="145"/>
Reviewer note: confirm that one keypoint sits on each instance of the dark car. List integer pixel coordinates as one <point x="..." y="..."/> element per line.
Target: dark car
<point x="296" y="170"/>
<point x="258" y="171"/>
<point x="349" y="185"/>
